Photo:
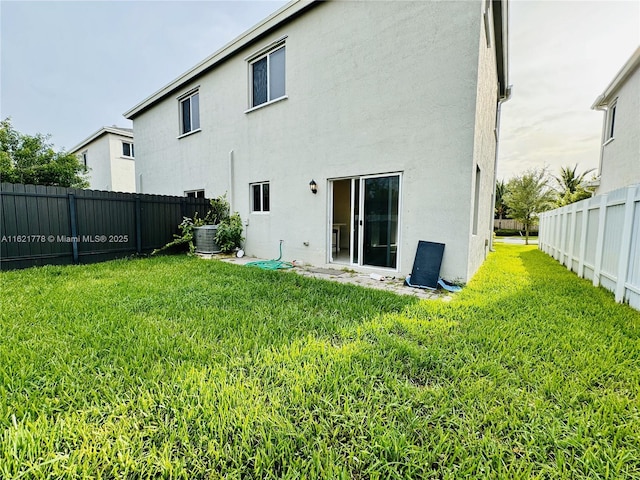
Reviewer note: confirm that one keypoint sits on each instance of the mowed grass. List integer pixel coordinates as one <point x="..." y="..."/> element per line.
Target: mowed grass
<point x="177" y="367"/>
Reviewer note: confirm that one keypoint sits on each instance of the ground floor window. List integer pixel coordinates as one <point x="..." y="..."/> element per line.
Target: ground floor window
<point x="194" y="193"/>
<point x="260" y="197"/>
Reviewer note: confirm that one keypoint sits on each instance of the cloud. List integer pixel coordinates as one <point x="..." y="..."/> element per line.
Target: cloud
<point x="563" y="54"/>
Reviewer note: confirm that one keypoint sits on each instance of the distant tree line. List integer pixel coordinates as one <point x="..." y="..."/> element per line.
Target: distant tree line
<point x="32" y="160"/>
<point x="524" y="197"/>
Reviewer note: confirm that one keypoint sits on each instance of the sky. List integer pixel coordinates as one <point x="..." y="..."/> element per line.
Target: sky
<point x="563" y="54"/>
<point x="69" y="68"/>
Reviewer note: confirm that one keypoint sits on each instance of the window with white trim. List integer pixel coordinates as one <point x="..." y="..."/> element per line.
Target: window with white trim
<point x="194" y="193"/>
<point x="611" y="121"/>
<point x="127" y="149"/>
<point x="267" y="74"/>
<point x="260" y="197"/>
<point x="190" y="113"/>
<point x="85" y="156"/>
<point x="487" y="16"/>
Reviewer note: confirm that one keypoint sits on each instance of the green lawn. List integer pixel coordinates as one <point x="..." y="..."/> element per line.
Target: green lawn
<point x="177" y="367"/>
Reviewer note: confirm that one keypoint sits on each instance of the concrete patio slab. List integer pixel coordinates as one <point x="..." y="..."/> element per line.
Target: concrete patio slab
<point x="388" y="283"/>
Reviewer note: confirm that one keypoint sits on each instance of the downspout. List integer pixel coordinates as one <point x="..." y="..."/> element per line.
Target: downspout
<point x="501" y="100"/>
<point x="598" y="105"/>
<point x="231" y="181"/>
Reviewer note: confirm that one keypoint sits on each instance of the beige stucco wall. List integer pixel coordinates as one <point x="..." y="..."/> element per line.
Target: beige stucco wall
<point x="372" y="88"/>
<point x="123" y="169"/>
<point x="620" y="161"/>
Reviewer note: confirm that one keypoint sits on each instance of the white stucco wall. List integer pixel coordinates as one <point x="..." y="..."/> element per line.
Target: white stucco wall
<point x="108" y="169"/>
<point x="99" y="163"/>
<point x="620" y="162"/>
<point x="484" y="151"/>
<point x="377" y="88"/>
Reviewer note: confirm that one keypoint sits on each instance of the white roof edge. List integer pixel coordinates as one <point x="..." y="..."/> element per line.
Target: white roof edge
<point x="626" y="70"/>
<point x="99" y="133"/>
<point x="273" y="20"/>
<point x="505" y="47"/>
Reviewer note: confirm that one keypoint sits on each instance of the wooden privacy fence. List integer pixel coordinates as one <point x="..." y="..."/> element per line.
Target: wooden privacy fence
<point x="599" y="239"/>
<point x="510" y="224"/>
<point x="54" y="225"/>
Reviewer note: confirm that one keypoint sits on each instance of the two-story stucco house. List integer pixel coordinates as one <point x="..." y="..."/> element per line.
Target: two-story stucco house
<point x="620" y="151"/>
<point x="349" y="130"/>
<point x="108" y="155"/>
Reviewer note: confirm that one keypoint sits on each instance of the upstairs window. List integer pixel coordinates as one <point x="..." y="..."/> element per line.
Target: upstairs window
<point x="487" y="16"/>
<point x="611" y="121"/>
<point x="190" y="113"/>
<point x="127" y="149"/>
<point x="85" y="156"/>
<point x="268" y="77"/>
<point x="260" y="197"/>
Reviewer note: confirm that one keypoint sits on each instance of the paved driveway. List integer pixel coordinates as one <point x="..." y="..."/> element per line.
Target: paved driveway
<point x="517" y="240"/>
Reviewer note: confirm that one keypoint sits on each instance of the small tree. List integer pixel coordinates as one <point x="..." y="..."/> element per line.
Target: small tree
<point x="527" y="196"/>
<point x="32" y="159"/>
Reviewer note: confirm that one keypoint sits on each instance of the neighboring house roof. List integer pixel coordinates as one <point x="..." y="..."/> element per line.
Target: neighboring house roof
<point x="125" y="132"/>
<point x="287" y="13"/>
<point x="625" y="72"/>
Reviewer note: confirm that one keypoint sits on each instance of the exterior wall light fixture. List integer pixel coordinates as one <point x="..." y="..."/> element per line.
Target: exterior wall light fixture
<point x="313" y="186"/>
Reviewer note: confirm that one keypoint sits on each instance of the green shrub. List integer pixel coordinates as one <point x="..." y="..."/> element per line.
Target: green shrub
<point x="185" y="240"/>
<point x="229" y="233"/>
<point x="218" y="211"/>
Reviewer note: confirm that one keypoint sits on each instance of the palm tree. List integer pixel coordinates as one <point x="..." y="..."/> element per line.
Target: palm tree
<point x="501" y="207"/>
<point x="571" y="186"/>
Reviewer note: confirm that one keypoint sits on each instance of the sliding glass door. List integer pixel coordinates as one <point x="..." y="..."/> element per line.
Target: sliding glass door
<point x="366" y="212"/>
<point x="380" y="204"/>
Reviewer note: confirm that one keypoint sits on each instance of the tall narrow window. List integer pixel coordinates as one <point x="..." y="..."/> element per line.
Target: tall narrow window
<point x="611" y="120"/>
<point x="260" y="197"/>
<point x="268" y="77"/>
<point x="85" y="156"/>
<point x="476" y="202"/>
<point x="190" y="113"/>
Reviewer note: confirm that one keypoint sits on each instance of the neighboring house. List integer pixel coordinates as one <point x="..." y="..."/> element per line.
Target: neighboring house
<point x="620" y="151"/>
<point x="108" y="155"/>
<point x="388" y="110"/>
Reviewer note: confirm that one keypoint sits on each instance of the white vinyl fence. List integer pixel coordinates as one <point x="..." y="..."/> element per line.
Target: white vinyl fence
<point x="599" y="239"/>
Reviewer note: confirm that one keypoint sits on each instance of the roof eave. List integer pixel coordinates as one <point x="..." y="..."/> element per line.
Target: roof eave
<point x="102" y="131"/>
<point x="625" y="72"/>
<point x="501" y="29"/>
<point x="288" y="11"/>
